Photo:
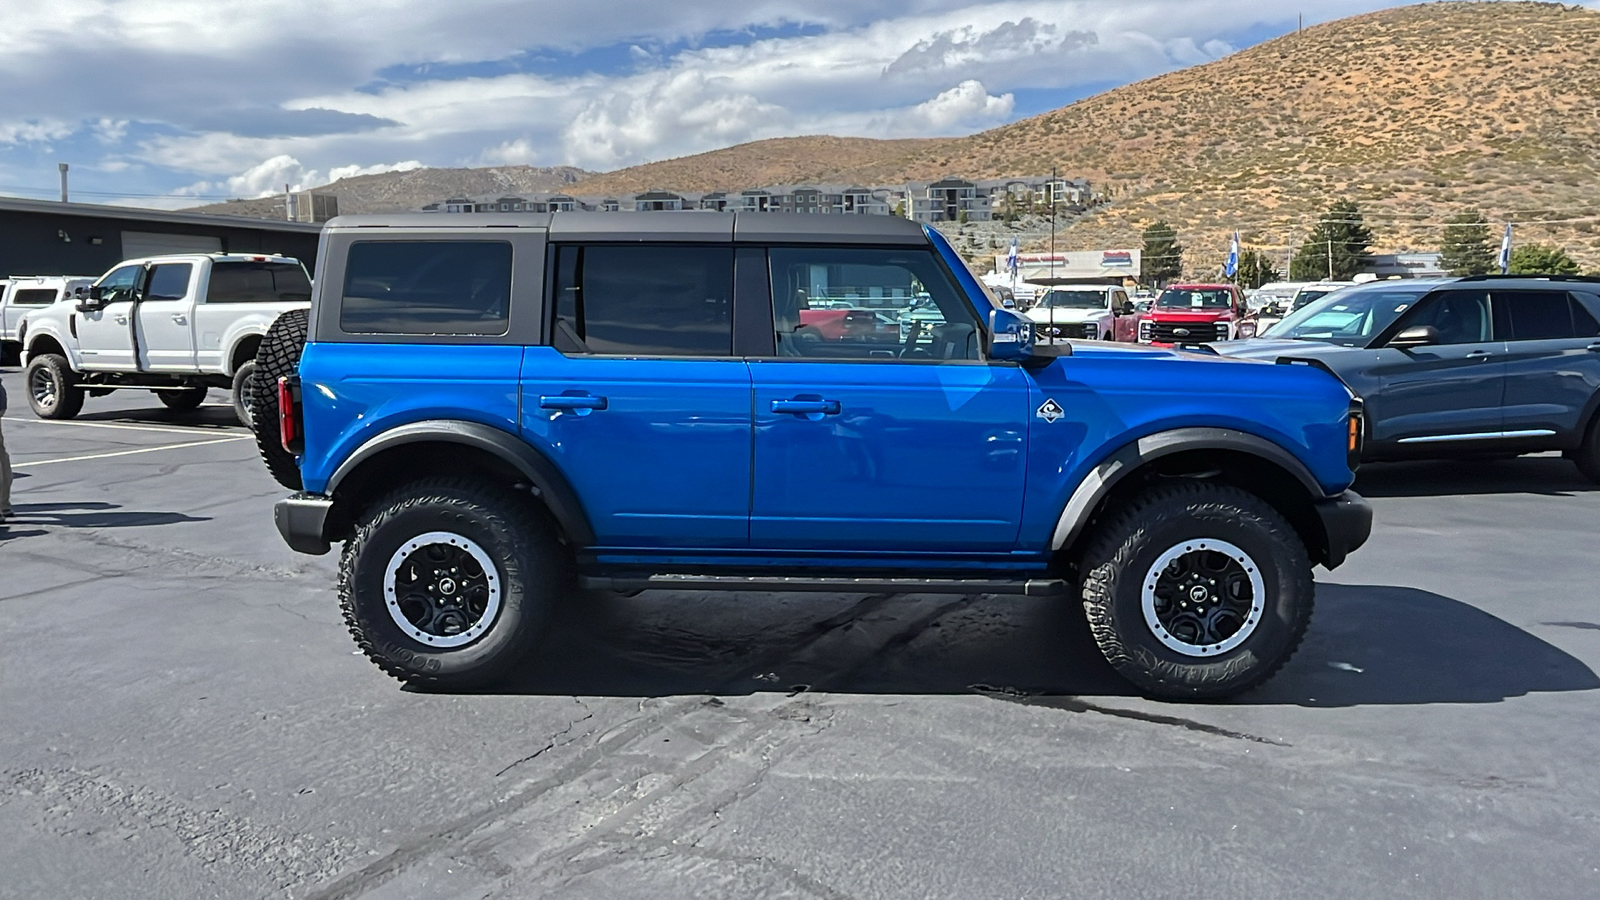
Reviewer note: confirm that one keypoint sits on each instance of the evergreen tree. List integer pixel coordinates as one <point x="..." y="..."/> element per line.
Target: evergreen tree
<point x="1163" y="255"/>
<point x="1341" y="233"/>
<point x="1255" y="269"/>
<point x="1538" y="259"/>
<point x="1466" y="248"/>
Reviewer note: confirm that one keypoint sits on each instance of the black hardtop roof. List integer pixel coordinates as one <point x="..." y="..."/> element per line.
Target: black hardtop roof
<point x="698" y="226"/>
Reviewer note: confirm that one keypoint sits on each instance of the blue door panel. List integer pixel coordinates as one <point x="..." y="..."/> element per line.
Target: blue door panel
<point x="1549" y="384"/>
<point x="398" y="384"/>
<point x="885" y="456"/>
<point x="1433" y="391"/>
<point x="657" y="449"/>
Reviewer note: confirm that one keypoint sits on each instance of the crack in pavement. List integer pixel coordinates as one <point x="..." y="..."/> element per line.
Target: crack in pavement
<point x="1076" y="705"/>
<point x="587" y="715"/>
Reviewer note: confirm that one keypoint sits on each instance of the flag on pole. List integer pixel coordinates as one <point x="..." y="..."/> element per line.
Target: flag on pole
<point x="1232" y="267"/>
<point x="1505" y="251"/>
<point x="1011" y="260"/>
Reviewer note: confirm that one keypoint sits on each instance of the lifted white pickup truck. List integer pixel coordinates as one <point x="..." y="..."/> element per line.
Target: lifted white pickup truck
<point x="176" y="325"/>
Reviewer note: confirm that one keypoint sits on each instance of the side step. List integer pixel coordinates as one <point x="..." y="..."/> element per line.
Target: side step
<point x="1025" y="587"/>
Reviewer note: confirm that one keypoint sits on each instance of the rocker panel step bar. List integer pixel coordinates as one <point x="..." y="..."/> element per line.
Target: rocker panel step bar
<point x="1025" y="587"/>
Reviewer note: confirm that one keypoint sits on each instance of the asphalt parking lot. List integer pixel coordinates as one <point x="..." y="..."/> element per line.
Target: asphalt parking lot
<point x="182" y="714"/>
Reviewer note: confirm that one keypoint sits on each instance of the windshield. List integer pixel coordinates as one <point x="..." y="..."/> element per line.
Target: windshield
<point x="1074" y="300"/>
<point x="1346" y="318"/>
<point x="1197" y="298"/>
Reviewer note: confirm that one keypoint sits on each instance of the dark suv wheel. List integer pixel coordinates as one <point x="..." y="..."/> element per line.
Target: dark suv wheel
<point x="446" y="581"/>
<point x="1197" y="590"/>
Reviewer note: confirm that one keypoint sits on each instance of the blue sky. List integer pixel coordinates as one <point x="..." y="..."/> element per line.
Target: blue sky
<point x="172" y="102"/>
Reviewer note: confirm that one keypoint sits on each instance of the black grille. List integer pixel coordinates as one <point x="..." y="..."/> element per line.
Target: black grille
<point x="1194" y="332"/>
<point x="1079" y="330"/>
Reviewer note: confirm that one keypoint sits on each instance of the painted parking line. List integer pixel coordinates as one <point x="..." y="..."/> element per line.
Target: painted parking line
<point x="67" y="459"/>
<point x="156" y="428"/>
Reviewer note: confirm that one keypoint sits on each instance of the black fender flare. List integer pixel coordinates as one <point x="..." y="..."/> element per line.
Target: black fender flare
<point x="546" y="479"/>
<point x="1105" y="476"/>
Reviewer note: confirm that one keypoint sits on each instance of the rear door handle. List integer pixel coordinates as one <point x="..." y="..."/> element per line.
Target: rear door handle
<point x="799" y="407"/>
<point x="1594" y="348"/>
<point x="574" y="402"/>
<point x="1480" y="354"/>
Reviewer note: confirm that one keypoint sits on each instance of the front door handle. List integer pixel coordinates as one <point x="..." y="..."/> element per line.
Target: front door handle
<point x="1594" y="348"/>
<point x="180" y="318"/>
<point x="121" y="320"/>
<point x="571" y="402"/>
<point x="1480" y="354"/>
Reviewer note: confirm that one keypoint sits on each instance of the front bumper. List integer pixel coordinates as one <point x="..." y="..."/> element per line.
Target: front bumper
<point x="300" y="519"/>
<point x="1347" y="523"/>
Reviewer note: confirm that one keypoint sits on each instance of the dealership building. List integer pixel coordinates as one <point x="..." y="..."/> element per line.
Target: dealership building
<point x="42" y="237"/>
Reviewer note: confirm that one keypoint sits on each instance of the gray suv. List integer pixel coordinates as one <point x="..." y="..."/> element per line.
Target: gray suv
<point x="1489" y="365"/>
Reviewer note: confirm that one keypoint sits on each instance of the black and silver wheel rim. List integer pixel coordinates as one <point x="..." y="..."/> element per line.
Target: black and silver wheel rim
<point x="442" y="589"/>
<point x="42" y="387"/>
<point x="247" y="399"/>
<point x="1203" y="597"/>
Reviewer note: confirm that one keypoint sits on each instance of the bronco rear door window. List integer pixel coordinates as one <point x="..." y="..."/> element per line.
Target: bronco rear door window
<point x="643" y="300"/>
<point x="427" y="287"/>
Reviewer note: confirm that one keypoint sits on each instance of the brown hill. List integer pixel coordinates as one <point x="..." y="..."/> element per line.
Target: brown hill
<point x="399" y="191"/>
<point x="1415" y="113"/>
<point x="794" y="160"/>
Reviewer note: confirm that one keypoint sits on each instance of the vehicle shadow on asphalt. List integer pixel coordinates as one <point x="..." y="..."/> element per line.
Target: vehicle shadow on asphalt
<point x="1368" y="645"/>
<point x="1550" y="476"/>
<point x="206" y="418"/>
<point x="93" y="515"/>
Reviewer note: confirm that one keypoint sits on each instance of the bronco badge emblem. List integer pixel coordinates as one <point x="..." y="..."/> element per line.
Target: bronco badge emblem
<point x="1051" y="411"/>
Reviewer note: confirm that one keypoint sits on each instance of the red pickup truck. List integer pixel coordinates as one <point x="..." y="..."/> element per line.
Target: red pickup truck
<point x="1196" y="314"/>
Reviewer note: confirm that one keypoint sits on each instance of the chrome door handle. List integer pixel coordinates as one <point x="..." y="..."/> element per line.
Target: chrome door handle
<point x="799" y="407"/>
<point x="1594" y="348"/>
<point x="1480" y="354"/>
<point x="579" y="403"/>
<point x="179" y="318"/>
<point x="121" y="320"/>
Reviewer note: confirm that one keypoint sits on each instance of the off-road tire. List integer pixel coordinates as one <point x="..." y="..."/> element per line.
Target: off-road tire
<point x="1125" y="546"/>
<point x="186" y="400"/>
<point x="278" y="356"/>
<point x="1587" y="456"/>
<point x="243" y="399"/>
<point x="67" y="397"/>
<point x="532" y="567"/>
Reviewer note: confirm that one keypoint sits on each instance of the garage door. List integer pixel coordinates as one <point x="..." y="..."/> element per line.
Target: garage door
<point x="149" y="243"/>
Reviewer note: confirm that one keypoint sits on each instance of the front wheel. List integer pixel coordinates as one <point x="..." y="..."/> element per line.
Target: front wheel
<point x="1197" y="591"/>
<point x="447" y="581"/>
<point x="52" y="390"/>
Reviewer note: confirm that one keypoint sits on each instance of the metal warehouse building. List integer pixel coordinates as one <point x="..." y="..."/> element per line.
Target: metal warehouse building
<point x="41" y="237"/>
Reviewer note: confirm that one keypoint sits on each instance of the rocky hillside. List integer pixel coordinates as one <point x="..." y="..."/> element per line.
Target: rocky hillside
<point x="398" y="191"/>
<point x="793" y="160"/>
<point x="1415" y="113"/>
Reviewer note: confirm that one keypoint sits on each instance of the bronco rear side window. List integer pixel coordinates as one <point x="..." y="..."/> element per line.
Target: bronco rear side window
<point x="427" y="287"/>
<point x="647" y="300"/>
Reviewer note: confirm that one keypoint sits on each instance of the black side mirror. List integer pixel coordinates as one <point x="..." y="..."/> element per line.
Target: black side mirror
<point x="1126" y="309"/>
<point x="1415" y="336"/>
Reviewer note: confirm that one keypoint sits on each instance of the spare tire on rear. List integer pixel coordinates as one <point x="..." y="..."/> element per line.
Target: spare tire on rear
<point x="278" y="356"/>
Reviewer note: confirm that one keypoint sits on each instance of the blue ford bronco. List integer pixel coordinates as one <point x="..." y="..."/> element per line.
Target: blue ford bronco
<point x="493" y="413"/>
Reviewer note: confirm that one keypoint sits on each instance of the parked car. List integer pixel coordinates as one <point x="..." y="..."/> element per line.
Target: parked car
<point x="640" y="415"/>
<point x="176" y="325"/>
<point x="1302" y="297"/>
<point x="1191" y="314"/>
<point x="1084" y="312"/>
<point x="22" y="294"/>
<point x="1493" y="365"/>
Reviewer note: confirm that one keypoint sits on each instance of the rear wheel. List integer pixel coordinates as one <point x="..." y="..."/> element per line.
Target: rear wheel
<point x="447" y="581"/>
<point x="277" y="357"/>
<point x="1587" y="456"/>
<point x="243" y="391"/>
<point x="185" y="400"/>
<point x="1197" y="591"/>
<point x="53" y="391"/>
